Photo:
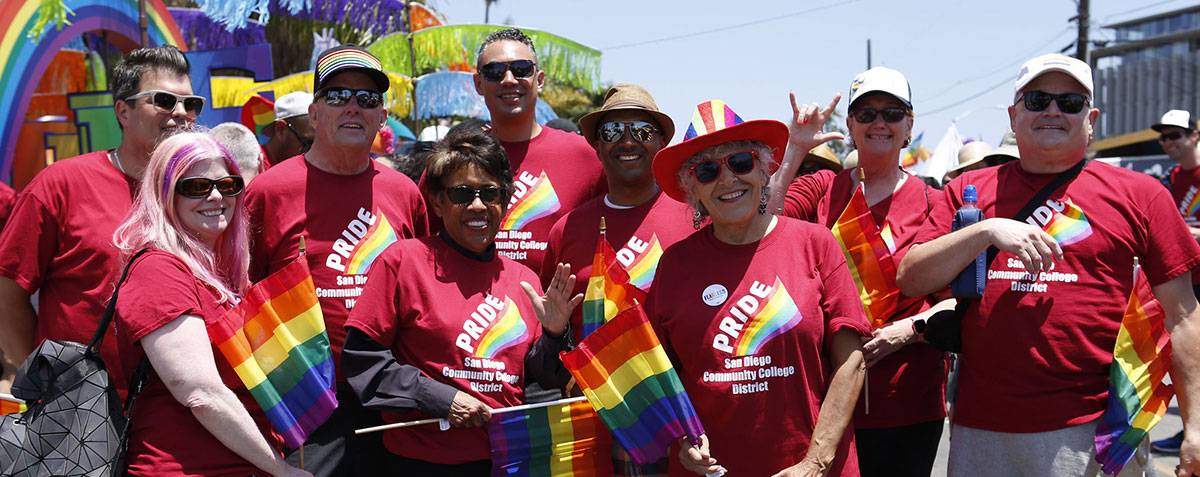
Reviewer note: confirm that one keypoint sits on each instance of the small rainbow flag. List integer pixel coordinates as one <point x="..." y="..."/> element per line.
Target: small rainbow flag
<point x="1137" y="396"/>
<point x="869" y="259"/>
<point x="628" y="379"/>
<point x="10" y="405"/>
<point x="276" y="341"/>
<point x="641" y="273"/>
<point x="777" y="317"/>
<point x="508" y="330"/>
<point x="608" y="290"/>
<point x="258" y="113"/>
<point x="378" y="238"/>
<point x="559" y="440"/>
<point x="1069" y="226"/>
<point x="538" y="202"/>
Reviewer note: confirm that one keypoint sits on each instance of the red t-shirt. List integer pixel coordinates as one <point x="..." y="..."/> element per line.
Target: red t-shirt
<point x="165" y="438"/>
<point x="8" y="199"/>
<point x="908" y="386"/>
<point x="462" y="322"/>
<point x="758" y="393"/>
<point x="347" y="221"/>
<point x="638" y="235"/>
<point x="59" y="240"/>
<point x="1185" y="191"/>
<point x="1036" y="353"/>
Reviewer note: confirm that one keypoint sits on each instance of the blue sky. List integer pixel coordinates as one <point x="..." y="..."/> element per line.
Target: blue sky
<point x="950" y="50"/>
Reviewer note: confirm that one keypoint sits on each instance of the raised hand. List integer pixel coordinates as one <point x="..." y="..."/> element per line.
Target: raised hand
<point x="554" y="308"/>
<point x="807" y="128"/>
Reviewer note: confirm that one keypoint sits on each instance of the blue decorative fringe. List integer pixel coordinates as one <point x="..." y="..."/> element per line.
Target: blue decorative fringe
<point x="452" y="93"/>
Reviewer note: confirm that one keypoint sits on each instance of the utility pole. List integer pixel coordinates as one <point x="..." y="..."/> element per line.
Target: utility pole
<point x="1081" y="43"/>
<point x="868" y="53"/>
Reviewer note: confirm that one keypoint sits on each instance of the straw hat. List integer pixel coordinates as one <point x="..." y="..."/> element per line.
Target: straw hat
<point x="970" y="154"/>
<point x="824" y="155"/>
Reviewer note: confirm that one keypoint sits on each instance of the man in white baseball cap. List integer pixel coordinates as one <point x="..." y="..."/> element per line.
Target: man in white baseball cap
<point x="291" y="134"/>
<point x="1037" y="347"/>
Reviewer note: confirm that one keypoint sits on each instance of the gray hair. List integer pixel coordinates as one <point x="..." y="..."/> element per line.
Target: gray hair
<point x="241" y="143"/>
<point x="687" y="181"/>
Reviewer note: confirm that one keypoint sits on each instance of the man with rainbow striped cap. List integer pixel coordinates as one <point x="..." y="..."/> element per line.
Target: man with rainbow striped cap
<point x="1063" y="235"/>
<point x="348" y="208"/>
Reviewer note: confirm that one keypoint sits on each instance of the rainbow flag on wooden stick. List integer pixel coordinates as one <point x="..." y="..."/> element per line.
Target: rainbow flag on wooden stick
<point x="1137" y="395"/>
<point x="608" y="290"/>
<point x="626" y="376"/>
<point x="869" y="259"/>
<point x="276" y="341"/>
<point x="557" y="440"/>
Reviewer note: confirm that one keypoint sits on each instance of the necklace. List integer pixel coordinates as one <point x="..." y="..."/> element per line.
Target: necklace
<point x="116" y="160"/>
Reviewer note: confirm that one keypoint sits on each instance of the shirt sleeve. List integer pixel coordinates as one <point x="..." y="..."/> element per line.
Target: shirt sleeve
<point x="804" y="195"/>
<point x="839" y="295"/>
<point x="28" y="242"/>
<point x="158" y="290"/>
<point x="1170" y="251"/>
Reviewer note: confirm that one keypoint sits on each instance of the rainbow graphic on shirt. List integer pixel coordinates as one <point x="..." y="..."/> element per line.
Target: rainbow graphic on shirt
<point x="1069" y="226"/>
<point x="540" y="201"/>
<point x="1194" y="205"/>
<point x="378" y="237"/>
<point x="777" y="317"/>
<point x="507" y="331"/>
<point x="641" y="272"/>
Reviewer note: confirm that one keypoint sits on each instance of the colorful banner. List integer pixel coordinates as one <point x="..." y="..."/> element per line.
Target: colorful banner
<point x="558" y="440"/>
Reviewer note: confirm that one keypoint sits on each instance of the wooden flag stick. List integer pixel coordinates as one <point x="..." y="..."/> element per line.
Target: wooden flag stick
<point x="494" y="411"/>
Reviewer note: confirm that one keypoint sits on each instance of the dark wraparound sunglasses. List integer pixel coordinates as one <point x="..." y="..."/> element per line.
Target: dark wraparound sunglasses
<point x="1068" y="103"/>
<point x="463" y="195"/>
<point x="739" y="163"/>
<point x="614" y="131"/>
<point x="1171" y="136"/>
<point x="367" y="99"/>
<point x="868" y="115"/>
<point x="305" y="144"/>
<point x="494" y="71"/>
<point x="166" y="101"/>
<point x="201" y="187"/>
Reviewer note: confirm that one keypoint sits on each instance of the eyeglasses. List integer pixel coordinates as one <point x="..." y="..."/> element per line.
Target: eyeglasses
<point x="463" y="195"/>
<point x="739" y="163"/>
<point x="494" y="71"/>
<point x="201" y="187"/>
<point x="614" y="131"/>
<point x="1171" y="136"/>
<point x="367" y="99"/>
<point x="1068" y="103"/>
<point x="868" y="115"/>
<point x="166" y="101"/>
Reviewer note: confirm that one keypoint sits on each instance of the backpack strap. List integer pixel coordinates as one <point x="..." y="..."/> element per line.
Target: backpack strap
<point x="111" y="308"/>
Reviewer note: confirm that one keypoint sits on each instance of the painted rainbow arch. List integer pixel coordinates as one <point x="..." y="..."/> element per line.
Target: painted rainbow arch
<point x="23" y="61"/>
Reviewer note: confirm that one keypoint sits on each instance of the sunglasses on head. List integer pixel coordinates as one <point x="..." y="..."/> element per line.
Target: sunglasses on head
<point x="494" y="71"/>
<point x="463" y="195"/>
<point x="166" y="101"/>
<point x="1171" y="136"/>
<point x="201" y="187"/>
<point x="1068" y="103"/>
<point x="614" y="131"/>
<point x="868" y="115"/>
<point x="367" y="99"/>
<point x="739" y="163"/>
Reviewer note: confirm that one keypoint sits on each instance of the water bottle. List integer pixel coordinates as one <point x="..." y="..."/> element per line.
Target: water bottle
<point x="970" y="282"/>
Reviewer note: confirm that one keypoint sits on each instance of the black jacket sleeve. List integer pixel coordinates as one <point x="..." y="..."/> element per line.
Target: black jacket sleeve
<point x="542" y="364"/>
<point x="382" y="383"/>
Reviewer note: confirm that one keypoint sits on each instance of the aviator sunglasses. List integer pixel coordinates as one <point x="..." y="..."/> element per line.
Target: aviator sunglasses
<point x="367" y="99"/>
<point x="494" y="71"/>
<point x="868" y="115"/>
<point x="166" y="101"/>
<point x="201" y="187"/>
<point x="1068" y="103"/>
<point x="463" y="195"/>
<point x="739" y="163"/>
<point x="614" y="131"/>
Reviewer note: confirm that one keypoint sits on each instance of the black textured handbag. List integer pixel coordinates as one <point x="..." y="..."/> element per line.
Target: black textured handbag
<point x="74" y="424"/>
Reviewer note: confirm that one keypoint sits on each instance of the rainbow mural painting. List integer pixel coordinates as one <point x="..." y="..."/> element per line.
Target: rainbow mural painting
<point x="507" y="331"/>
<point x="641" y="273"/>
<point x="540" y="201"/>
<point x="378" y="237"/>
<point x="777" y="317"/>
<point x="23" y="61"/>
<point x="1069" y="226"/>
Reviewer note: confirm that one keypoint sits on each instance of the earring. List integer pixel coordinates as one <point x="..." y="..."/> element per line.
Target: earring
<point x="762" y="202"/>
<point x="696" y="218"/>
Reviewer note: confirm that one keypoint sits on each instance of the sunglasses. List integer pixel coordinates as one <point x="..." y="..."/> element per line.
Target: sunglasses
<point x="1171" y="136"/>
<point x="868" y="115"/>
<point x="166" y="101"/>
<point x="739" y="163"/>
<point x="495" y="70"/>
<point x="201" y="187"/>
<point x="1068" y="103"/>
<point x="367" y="99"/>
<point x="305" y="144"/>
<point x="463" y="195"/>
<point x="614" y="131"/>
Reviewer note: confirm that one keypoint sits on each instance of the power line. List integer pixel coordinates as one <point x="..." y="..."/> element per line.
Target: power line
<point x="1006" y="66"/>
<point x="1007" y="80"/>
<point x="730" y="27"/>
<point x="1137" y="10"/>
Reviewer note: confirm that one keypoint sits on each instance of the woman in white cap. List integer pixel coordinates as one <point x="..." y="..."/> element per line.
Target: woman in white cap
<point x="898" y="423"/>
<point x="758" y="313"/>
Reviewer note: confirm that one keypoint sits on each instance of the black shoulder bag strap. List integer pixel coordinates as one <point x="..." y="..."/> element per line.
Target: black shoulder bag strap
<point x="1040" y="198"/>
<point x="110" y="310"/>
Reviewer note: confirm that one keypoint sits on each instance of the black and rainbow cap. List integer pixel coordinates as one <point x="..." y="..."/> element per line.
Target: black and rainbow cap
<point x="345" y="58"/>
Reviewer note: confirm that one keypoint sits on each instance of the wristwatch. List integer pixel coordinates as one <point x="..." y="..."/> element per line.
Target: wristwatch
<point x="918" y="326"/>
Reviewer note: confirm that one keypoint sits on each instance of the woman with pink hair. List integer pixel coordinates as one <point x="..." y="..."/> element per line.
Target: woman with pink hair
<point x="193" y="416"/>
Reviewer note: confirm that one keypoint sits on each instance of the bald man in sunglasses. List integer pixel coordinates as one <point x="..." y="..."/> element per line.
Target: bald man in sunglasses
<point x="1038" y="346"/>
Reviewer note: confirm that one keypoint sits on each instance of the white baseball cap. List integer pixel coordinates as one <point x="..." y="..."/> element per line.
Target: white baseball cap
<point x="881" y="79"/>
<point x="1175" y="117"/>
<point x="293" y="104"/>
<point x="1041" y="65"/>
